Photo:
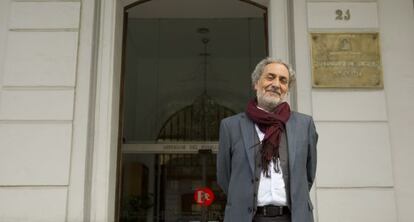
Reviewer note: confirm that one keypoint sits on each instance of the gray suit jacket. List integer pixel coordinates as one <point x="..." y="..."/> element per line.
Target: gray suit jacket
<point x="236" y="166"/>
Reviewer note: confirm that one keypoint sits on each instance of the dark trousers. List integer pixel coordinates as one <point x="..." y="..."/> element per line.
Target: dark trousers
<point x="283" y="218"/>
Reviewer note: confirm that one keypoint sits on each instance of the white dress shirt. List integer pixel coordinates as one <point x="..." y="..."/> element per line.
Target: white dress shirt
<point x="271" y="190"/>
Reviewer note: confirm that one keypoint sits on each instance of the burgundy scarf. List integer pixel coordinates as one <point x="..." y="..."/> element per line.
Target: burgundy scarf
<point x="272" y="125"/>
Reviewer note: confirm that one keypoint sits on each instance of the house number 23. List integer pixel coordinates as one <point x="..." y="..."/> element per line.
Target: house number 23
<point x="343" y="15"/>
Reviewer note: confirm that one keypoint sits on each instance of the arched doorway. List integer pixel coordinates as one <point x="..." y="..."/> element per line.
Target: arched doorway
<point x="105" y="133"/>
<point x="186" y="65"/>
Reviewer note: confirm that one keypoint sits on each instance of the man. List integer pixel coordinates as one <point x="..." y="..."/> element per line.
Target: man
<point x="266" y="161"/>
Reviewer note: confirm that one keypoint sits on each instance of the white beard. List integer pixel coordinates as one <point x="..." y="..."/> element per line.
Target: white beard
<point x="267" y="102"/>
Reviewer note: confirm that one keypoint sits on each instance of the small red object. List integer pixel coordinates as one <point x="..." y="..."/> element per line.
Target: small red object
<point x="204" y="196"/>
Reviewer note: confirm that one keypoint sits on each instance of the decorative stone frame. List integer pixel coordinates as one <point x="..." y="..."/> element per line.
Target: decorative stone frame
<point x="100" y="204"/>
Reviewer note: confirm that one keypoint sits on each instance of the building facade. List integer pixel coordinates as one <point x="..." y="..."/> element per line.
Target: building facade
<point x="62" y="91"/>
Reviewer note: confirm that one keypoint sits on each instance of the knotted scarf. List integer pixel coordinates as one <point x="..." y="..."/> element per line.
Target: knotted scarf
<point x="272" y="124"/>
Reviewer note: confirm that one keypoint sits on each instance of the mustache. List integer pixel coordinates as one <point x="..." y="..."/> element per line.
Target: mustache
<point x="273" y="89"/>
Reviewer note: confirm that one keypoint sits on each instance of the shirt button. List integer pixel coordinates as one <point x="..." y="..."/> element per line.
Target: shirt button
<point x="252" y="181"/>
<point x="250" y="209"/>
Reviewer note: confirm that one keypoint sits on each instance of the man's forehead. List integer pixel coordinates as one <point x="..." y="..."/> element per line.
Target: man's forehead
<point x="284" y="70"/>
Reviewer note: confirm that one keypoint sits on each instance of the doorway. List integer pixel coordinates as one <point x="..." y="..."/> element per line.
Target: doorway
<point x="186" y="65"/>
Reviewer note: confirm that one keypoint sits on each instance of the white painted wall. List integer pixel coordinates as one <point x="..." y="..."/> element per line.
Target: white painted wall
<point x="38" y="62"/>
<point x="354" y="146"/>
<point x="363" y="171"/>
<point x="396" y="19"/>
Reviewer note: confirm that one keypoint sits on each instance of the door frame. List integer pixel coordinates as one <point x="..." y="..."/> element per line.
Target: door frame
<point x="104" y="158"/>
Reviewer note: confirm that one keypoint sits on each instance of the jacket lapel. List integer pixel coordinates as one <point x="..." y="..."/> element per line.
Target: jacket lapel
<point x="248" y="133"/>
<point x="291" y="139"/>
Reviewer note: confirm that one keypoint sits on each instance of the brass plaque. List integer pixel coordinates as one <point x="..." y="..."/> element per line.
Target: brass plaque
<point x="345" y="60"/>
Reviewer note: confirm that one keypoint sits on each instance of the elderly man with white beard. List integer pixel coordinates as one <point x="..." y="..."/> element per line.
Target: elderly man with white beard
<point x="266" y="163"/>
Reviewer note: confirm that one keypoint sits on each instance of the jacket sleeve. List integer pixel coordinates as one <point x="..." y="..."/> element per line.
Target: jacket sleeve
<point x="224" y="158"/>
<point x="312" y="154"/>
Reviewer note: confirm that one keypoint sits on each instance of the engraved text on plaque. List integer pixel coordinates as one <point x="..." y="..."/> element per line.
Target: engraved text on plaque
<point x="341" y="60"/>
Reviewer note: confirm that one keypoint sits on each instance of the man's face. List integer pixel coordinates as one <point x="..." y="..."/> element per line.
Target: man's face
<point x="272" y="86"/>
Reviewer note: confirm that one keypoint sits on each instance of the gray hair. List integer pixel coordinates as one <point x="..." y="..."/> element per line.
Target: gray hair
<point x="258" y="71"/>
